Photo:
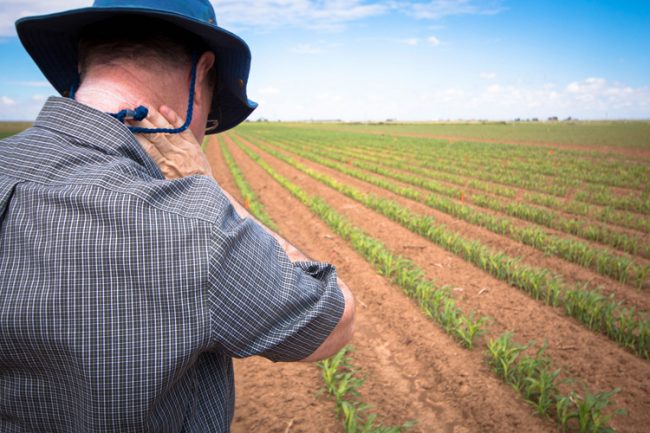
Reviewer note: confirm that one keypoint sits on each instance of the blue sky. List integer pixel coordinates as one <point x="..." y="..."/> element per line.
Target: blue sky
<point x="410" y="60"/>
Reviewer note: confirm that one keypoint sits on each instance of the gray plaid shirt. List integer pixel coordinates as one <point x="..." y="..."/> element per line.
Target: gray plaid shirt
<point x="124" y="296"/>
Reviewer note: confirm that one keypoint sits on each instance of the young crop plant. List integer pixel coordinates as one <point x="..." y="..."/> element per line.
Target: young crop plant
<point x="539" y="283"/>
<point x="587" y="413"/>
<point x="532" y="375"/>
<point x="342" y="382"/>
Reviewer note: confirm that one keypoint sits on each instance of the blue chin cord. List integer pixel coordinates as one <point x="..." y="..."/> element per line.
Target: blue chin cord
<point x="141" y="112"/>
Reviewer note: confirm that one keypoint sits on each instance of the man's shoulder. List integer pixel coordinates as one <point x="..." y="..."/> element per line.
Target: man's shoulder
<point x="195" y="197"/>
<point x="103" y="175"/>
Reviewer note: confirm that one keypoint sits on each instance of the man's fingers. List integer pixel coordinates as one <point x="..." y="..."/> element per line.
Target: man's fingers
<point x="158" y="120"/>
<point x="157" y="139"/>
<point x="185" y="139"/>
<point x="171" y="116"/>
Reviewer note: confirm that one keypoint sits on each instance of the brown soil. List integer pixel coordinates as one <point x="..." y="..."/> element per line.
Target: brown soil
<point x="413" y="369"/>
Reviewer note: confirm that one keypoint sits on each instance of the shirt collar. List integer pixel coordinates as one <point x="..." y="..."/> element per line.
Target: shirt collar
<point x="94" y="128"/>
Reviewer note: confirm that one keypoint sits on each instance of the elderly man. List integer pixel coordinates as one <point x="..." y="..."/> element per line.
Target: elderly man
<point x="127" y="279"/>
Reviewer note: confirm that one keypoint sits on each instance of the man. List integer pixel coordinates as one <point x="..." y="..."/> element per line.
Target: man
<point x="124" y="295"/>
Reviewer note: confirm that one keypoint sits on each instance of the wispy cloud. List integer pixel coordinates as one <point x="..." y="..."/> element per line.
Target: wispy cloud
<point x="437" y="9"/>
<point x="5" y="100"/>
<point x="329" y="15"/>
<point x="488" y="75"/>
<point x="271" y="14"/>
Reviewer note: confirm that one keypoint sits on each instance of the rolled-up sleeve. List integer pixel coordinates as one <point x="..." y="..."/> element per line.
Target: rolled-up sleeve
<point x="260" y="302"/>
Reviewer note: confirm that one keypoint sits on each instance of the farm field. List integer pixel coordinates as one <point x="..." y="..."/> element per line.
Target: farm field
<point x="502" y="283"/>
<point x="501" y="272"/>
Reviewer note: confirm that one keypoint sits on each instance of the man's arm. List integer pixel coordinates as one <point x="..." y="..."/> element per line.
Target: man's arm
<point x="344" y="330"/>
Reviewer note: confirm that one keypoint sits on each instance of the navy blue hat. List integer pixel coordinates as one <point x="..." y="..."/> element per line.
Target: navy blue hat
<point x="52" y="41"/>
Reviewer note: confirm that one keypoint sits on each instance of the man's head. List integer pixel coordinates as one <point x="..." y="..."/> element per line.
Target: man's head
<point x="53" y="42"/>
<point x="158" y="56"/>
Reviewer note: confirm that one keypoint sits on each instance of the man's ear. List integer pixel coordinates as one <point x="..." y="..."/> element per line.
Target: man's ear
<point x="203" y="67"/>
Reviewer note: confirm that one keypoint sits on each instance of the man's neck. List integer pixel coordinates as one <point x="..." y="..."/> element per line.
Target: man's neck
<point x="114" y="88"/>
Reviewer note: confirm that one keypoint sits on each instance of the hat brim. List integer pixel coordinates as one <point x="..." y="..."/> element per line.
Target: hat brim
<point x="52" y="41"/>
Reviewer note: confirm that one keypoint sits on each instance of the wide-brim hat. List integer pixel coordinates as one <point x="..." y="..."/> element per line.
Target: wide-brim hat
<point x="52" y="41"/>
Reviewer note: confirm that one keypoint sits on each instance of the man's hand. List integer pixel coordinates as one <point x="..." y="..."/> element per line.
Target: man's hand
<point x="177" y="155"/>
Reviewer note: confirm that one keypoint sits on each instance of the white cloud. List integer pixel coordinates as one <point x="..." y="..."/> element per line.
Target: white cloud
<point x="588" y="85"/>
<point x="599" y="92"/>
<point x="38" y="98"/>
<point x="432" y="40"/>
<point x="584" y="99"/>
<point x="305" y="49"/>
<point x="270" y="14"/>
<point x="488" y="75"/>
<point x="5" y="100"/>
<point x="330" y="15"/>
<point x="269" y="90"/>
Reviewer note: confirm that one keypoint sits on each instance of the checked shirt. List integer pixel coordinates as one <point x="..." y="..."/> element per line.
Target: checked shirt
<point x="124" y="296"/>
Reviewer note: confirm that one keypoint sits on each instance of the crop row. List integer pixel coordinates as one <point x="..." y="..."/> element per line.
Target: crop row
<point x="606" y="214"/>
<point x="427" y="156"/>
<point x="251" y="203"/>
<point x="525" y="178"/>
<point x="534" y="378"/>
<point x="567" y="166"/>
<point x="602" y="314"/>
<point x="561" y="167"/>
<point x="564" y="165"/>
<point x="579" y="228"/>
<point x="342" y="382"/>
<point x="600" y="260"/>
<point x="578" y="206"/>
<point x="516" y="172"/>
<point x="423" y="289"/>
